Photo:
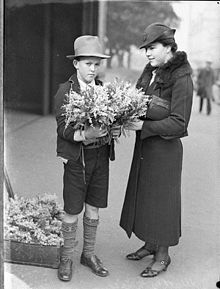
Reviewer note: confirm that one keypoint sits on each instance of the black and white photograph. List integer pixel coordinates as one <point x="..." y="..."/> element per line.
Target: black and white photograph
<point x="110" y="144"/>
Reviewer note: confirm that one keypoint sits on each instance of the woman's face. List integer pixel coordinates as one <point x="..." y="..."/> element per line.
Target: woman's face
<point x="158" y="54"/>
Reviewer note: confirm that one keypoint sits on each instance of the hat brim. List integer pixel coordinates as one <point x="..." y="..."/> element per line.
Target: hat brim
<point x="149" y="42"/>
<point x="146" y="44"/>
<point x="103" y="56"/>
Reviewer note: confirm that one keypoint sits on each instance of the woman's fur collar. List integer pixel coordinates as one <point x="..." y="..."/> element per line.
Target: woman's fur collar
<point x="176" y="67"/>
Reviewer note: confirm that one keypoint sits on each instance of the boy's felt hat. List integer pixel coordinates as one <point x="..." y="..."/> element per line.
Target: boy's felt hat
<point x="87" y="45"/>
<point x="157" y="31"/>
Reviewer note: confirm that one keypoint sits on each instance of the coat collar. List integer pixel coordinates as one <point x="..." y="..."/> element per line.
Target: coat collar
<point x="74" y="82"/>
<point x="176" y="67"/>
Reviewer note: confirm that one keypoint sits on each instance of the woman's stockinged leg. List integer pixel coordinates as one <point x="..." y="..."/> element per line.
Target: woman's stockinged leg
<point x="162" y="253"/>
<point x="146" y="250"/>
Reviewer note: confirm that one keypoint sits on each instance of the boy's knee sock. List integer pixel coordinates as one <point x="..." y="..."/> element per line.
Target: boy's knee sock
<point x="69" y="237"/>
<point x="89" y="235"/>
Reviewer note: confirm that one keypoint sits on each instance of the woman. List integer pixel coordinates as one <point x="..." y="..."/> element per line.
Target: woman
<point x="152" y="205"/>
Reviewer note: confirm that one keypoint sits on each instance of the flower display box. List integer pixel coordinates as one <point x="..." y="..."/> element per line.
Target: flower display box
<point x="32" y="231"/>
<point x="31" y="254"/>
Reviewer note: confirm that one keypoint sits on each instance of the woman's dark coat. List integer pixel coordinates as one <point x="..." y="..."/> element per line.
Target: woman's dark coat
<point x="159" y="137"/>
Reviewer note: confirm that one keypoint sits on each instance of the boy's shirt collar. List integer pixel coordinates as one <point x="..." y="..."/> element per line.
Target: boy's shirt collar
<point x="84" y="86"/>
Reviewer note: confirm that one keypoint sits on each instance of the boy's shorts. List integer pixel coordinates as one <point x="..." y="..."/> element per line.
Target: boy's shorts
<point x="94" y="191"/>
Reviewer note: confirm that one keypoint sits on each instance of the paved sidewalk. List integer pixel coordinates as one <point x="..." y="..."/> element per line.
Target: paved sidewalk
<point x="33" y="168"/>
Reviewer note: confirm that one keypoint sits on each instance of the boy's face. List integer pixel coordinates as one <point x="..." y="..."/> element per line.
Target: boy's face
<point x="87" y="68"/>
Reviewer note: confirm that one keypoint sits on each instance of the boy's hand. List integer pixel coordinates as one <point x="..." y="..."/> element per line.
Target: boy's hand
<point x="95" y="132"/>
<point x="116" y="131"/>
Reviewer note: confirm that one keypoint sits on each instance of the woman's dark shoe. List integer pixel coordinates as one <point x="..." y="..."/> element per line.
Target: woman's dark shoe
<point x="95" y="265"/>
<point x="140" y="254"/>
<point x="65" y="269"/>
<point x="162" y="266"/>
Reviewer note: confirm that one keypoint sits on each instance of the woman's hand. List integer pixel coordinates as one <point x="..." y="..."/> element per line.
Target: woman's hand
<point x="136" y="125"/>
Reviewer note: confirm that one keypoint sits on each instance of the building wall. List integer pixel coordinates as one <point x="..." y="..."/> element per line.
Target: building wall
<point x="23" y="57"/>
<point x="199" y="31"/>
<point x="204" y="33"/>
<point x="37" y="39"/>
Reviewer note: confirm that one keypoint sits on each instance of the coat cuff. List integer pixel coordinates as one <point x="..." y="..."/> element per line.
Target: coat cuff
<point x="146" y="130"/>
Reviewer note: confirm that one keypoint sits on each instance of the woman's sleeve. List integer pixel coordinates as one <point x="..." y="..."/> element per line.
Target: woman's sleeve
<point x="177" y="122"/>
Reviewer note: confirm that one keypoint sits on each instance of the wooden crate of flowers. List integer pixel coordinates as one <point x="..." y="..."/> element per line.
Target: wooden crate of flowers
<point x="32" y="231"/>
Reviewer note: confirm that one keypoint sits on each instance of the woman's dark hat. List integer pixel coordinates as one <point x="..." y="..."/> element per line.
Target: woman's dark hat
<point x="87" y="45"/>
<point x="157" y="31"/>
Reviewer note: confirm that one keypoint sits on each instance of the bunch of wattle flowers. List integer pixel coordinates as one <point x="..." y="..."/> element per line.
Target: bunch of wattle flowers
<point x="127" y="102"/>
<point x="36" y="221"/>
<point x="117" y="103"/>
<point x="90" y="107"/>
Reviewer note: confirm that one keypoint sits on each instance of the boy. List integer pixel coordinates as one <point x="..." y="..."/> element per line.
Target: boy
<point x="85" y="155"/>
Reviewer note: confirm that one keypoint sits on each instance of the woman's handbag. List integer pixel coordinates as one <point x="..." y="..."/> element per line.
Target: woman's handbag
<point x="158" y="108"/>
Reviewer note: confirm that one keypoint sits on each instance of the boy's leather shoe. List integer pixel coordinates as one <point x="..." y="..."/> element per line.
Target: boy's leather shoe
<point x="65" y="269"/>
<point x="95" y="265"/>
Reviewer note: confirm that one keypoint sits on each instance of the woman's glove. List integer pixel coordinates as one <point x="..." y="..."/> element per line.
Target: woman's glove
<point x="135" y="125"/>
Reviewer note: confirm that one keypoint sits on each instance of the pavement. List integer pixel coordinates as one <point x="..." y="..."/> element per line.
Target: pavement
<point x="33" y="169"/>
